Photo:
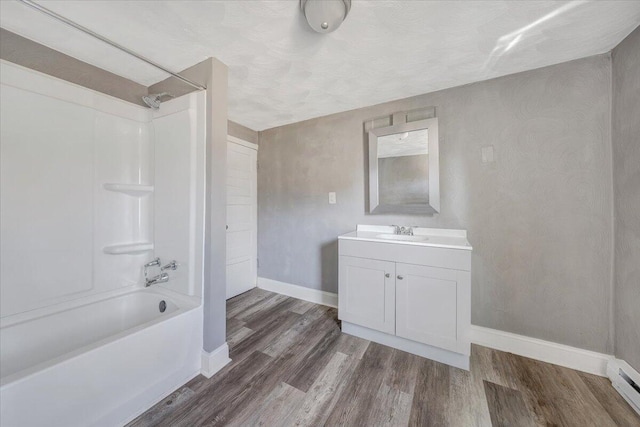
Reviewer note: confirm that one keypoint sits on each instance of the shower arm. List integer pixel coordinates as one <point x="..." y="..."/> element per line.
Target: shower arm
<point x="85" y="30"/>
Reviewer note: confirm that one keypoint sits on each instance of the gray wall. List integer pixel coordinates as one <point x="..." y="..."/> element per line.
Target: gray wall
<point x="539" y="217"/>
<point x="403" y="179"/>
<point x="29" y="54"/>
<point x="626" y="185"/>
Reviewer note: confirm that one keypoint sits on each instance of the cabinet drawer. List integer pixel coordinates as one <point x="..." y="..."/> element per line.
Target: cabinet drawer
<point x="455" y="259"/>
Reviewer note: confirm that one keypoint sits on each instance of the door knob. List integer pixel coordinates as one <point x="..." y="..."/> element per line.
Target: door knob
<point x="387" y="275"/>
<point x="400" y="277"/>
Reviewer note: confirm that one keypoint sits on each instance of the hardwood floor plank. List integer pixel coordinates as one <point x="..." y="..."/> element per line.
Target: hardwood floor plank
<point x="307" y="372"/>
<point x="392" y="407"/>
<point x="431" y="395"/>
<point x="257" y="321"/>
<point x="234" y="339"/>
<point x="403" y="371"/>
<point x="267" y="334"/>
<point x="219" y="390"/>
<point x="290" y="336"/>
<point x="467" y="401"/>
<point x="259" y="306"/>
<point x="617" y="408"/>
<point x="242" y="302"/>
<point x="301" y="306"/>
<point x="233" y="325"/>
<point x="507" y="407"/>
<point x="325" y="391"/>
<point x="554" y="396"/>
<point x="164" y="408"/>
<point x="359" y="395"/>
<point x="353" y="346"/>
<point x="277" y="409"/>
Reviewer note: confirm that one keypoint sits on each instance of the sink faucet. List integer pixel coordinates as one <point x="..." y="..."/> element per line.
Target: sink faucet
<point x="406" y="231"/>
<point x="160" y="278"/>
<point x="403" y="231"/>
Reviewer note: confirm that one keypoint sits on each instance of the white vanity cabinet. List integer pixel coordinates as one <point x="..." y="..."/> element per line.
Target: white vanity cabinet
<point x="412" y="294"/>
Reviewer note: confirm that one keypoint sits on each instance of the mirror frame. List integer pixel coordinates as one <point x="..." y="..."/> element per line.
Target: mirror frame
<point x="434" y="169"/>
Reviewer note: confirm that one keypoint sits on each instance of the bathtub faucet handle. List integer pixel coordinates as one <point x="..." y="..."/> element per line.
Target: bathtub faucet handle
<point x="154" y="263"/>
<point x="173" y="265"/>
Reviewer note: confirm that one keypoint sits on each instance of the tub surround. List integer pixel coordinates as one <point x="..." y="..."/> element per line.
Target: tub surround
<point x="407" y="294"/>
<point x="119" y="185"/>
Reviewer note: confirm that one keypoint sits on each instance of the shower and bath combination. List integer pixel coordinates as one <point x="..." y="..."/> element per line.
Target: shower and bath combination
<point x="154" y="100"/>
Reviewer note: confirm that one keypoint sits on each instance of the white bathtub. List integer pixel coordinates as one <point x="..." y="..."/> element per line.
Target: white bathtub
<point x="97" y="362"/>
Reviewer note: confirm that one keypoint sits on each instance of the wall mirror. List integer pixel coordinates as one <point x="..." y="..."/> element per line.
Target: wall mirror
<point x="404" y="168"/>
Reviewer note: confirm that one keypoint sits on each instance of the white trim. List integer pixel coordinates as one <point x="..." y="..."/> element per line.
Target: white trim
<point x="300" y="292"/>
<point x="242" y="142"/>
<point x="626" y="391"/>
<point x="214" y="361"/>
<point x="546" y="351"/>
<point x="438" y="354"/>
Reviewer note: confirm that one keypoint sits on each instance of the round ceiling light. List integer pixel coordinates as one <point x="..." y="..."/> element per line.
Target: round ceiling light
<point x="325" y="16"/>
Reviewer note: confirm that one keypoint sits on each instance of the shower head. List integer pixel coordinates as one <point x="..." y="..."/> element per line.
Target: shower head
<point x="154" y="100"/>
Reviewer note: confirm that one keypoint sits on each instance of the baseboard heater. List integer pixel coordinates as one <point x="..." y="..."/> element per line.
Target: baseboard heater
<point x="626" y="381"/>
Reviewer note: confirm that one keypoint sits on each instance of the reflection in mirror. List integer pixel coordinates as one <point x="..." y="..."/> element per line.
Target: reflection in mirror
<point x="404" y="168"/>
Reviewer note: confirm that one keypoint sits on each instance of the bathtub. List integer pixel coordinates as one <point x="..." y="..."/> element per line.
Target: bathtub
<point x="97" y="362"/>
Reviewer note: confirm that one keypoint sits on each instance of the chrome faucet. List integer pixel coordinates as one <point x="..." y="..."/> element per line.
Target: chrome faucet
<point x="403" y="231"/>
<point x="173" y="265"/>
<point x="160" y="278"/>
<point x="406" y="231"/>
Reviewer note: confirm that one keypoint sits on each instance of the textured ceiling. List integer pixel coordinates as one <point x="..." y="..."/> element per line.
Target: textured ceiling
<point x="281" y="72"/>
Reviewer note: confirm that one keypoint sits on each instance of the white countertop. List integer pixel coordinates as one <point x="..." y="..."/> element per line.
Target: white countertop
<point x="434" y="237"/>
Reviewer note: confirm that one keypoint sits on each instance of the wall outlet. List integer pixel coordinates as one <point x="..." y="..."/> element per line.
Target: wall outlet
<point x="332" y="198"/>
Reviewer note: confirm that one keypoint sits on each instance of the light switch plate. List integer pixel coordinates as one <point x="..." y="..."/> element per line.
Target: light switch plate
<point x="332" y="198"/>
<point x="487" y="154"/>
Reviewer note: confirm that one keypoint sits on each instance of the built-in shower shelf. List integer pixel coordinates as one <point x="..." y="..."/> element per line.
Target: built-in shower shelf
<point x="135" y="190"/>
<point x="128" y="248"/>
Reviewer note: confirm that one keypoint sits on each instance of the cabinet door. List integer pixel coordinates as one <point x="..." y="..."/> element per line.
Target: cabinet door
<point x="367" y="294"/>
<point x="430" y="305"/>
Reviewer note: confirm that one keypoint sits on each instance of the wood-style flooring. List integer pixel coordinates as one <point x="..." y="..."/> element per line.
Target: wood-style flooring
<point x="293" y="366"/>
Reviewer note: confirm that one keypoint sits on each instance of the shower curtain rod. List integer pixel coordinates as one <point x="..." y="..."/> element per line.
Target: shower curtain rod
<point x="85" y="30"/>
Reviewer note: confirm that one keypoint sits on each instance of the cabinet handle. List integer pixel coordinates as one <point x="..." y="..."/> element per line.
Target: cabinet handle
<point x="400" y="277"/>
<point x="387" y="275"/>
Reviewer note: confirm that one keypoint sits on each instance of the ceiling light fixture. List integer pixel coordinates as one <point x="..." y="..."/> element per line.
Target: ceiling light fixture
<point x="325" y="16"/>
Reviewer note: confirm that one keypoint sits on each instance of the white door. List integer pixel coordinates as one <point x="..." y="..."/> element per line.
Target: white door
<point x="427" y="305"/>
<point x="242" y="204"/>
<point x="367" y="293"/>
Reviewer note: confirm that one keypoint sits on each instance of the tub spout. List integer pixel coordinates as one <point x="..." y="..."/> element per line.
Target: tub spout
<point x="160" y="278"/>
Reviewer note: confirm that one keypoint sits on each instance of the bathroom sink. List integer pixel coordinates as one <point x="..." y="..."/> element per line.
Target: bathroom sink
<point x="403" y="237"/>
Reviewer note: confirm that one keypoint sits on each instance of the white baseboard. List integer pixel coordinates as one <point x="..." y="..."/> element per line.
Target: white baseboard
<point x="300" y="292"/>
<point x="614" y="369"/>
<point x="546" y="351"/>
<point x="214" y="361"/>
